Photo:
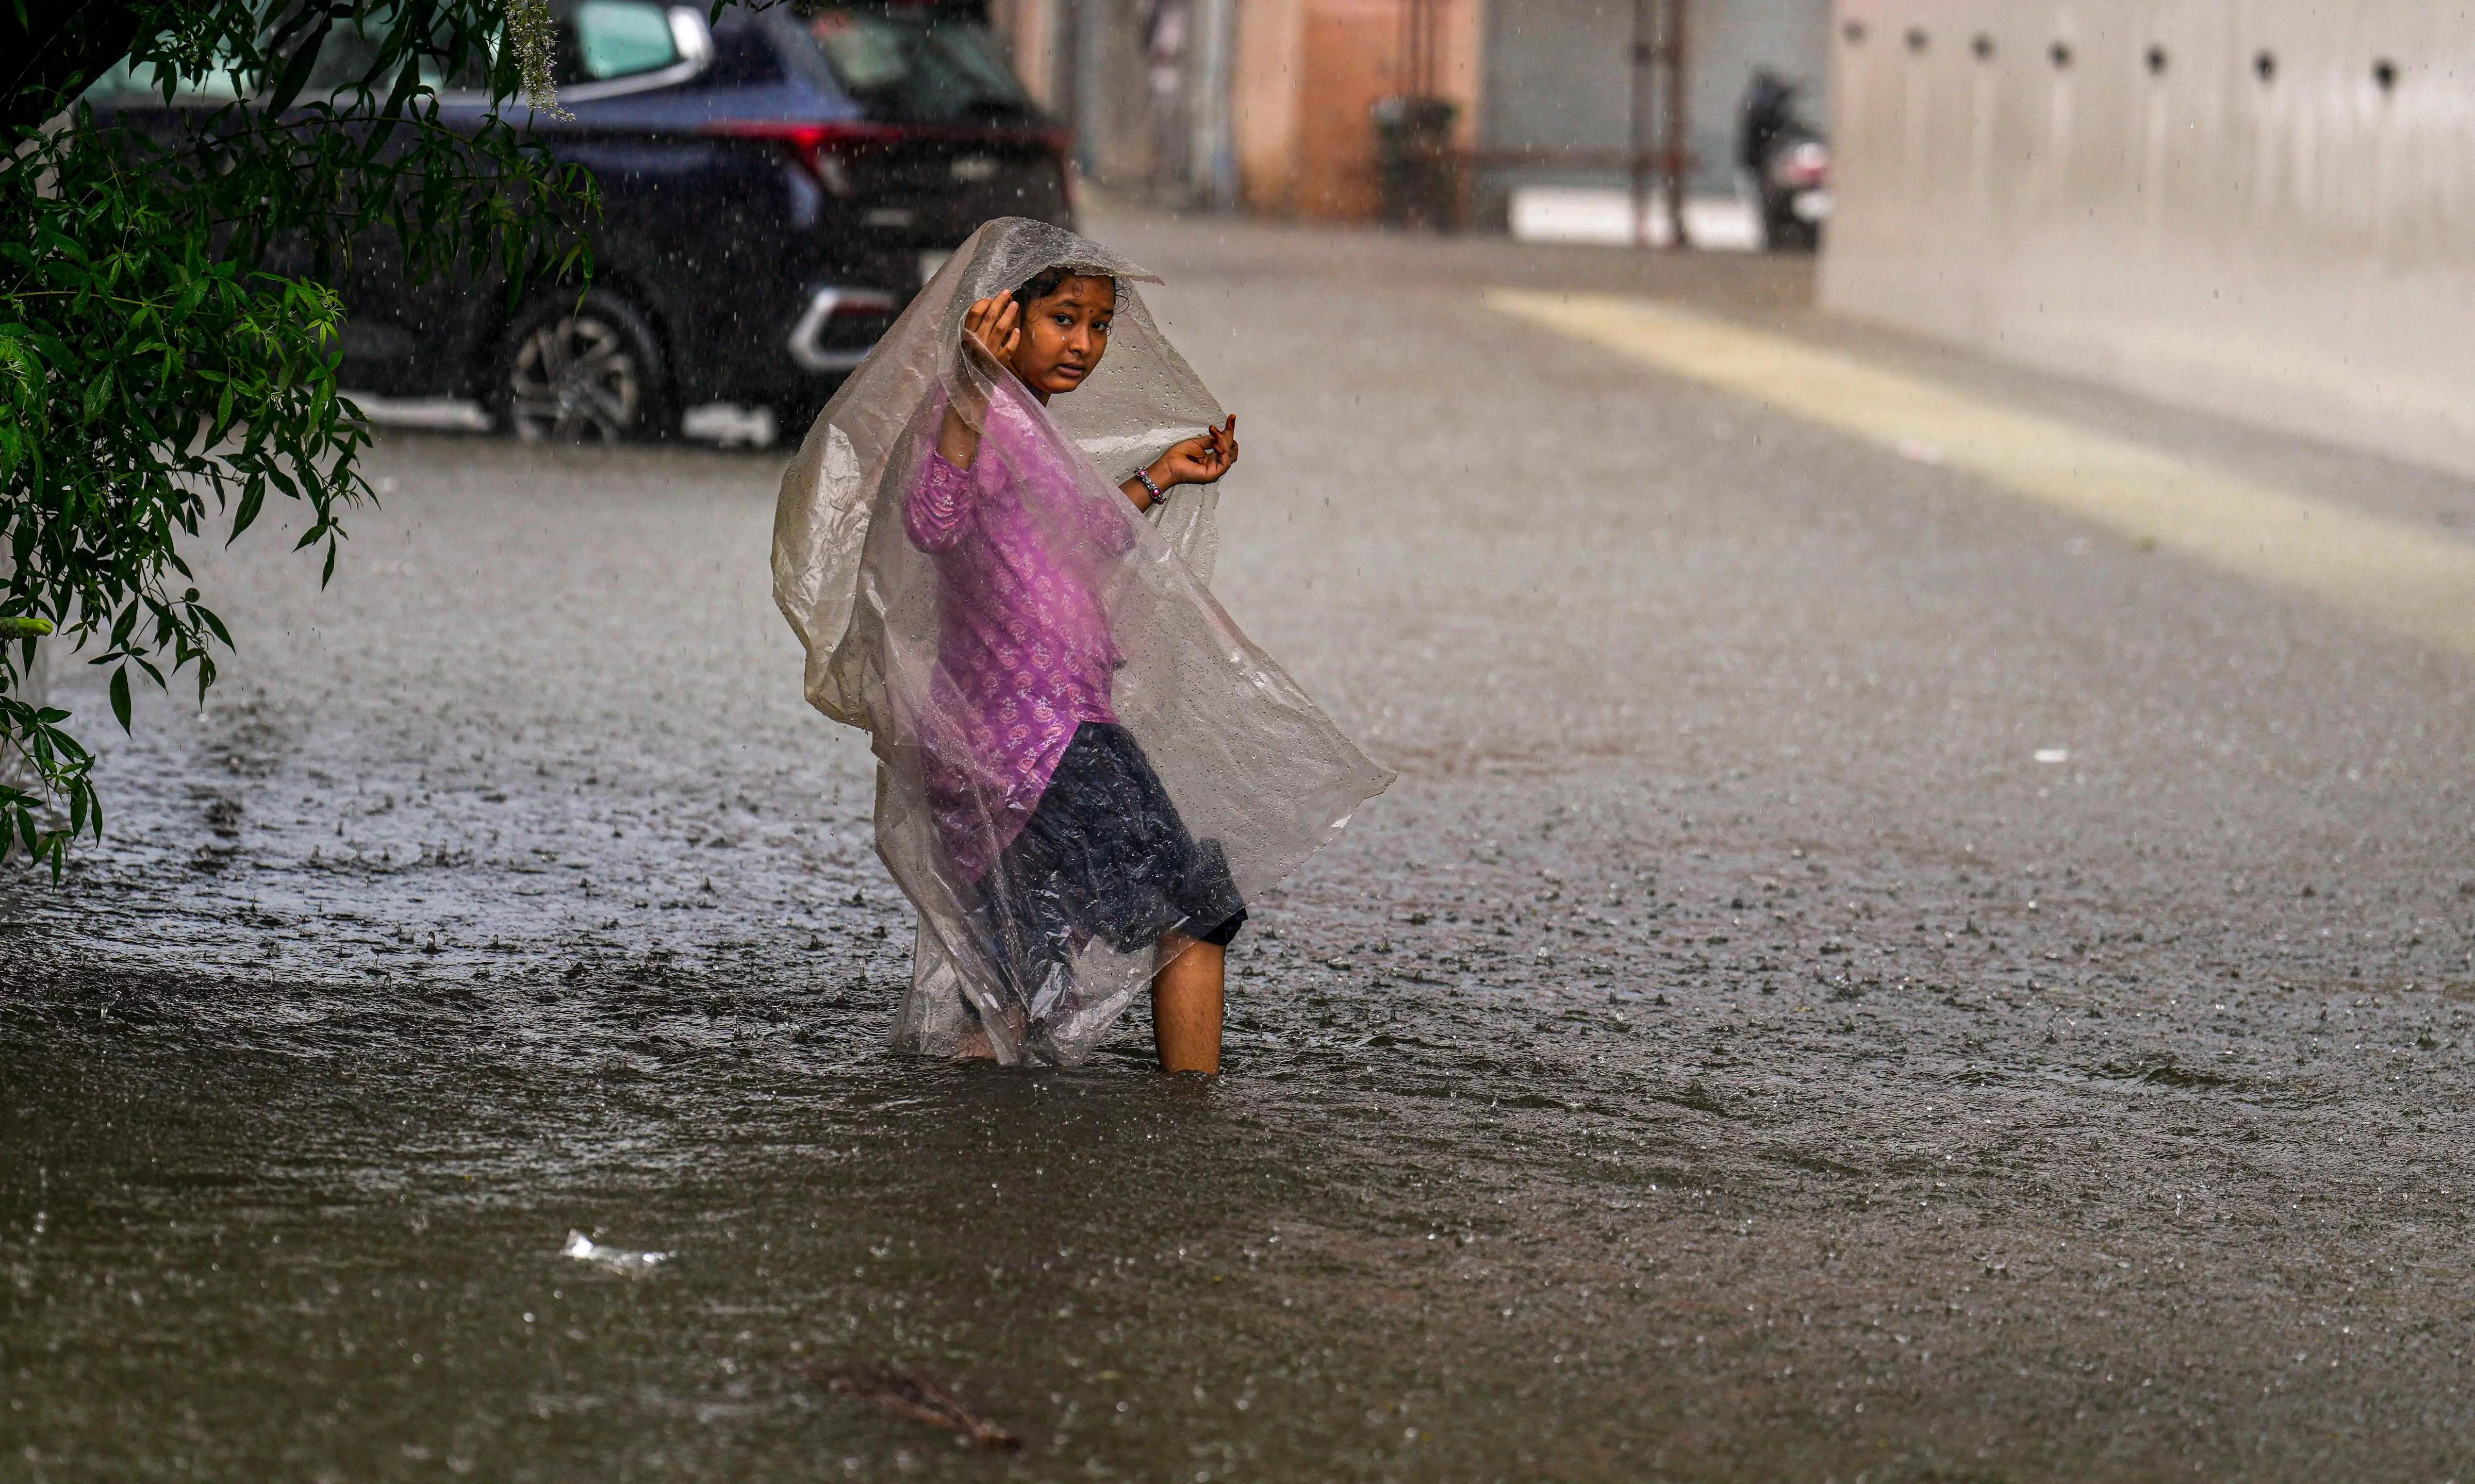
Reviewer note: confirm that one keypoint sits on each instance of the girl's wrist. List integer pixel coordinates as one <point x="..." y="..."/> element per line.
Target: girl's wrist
<point x="1152" y="485"/>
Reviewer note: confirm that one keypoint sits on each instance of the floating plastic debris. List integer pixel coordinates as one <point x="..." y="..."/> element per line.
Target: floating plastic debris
<point x="914" y="1396"/>
<point x="2053" y="754"/>
<point x="618" y="1259"/>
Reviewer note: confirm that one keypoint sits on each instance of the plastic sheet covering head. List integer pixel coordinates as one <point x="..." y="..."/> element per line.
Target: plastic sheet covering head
<point x="1079" y="755"/>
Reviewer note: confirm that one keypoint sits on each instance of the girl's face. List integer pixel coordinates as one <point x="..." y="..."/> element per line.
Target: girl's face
<point x="1065" y="336"/>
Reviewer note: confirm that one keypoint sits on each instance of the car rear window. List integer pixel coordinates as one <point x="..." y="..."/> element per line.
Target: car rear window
<point x="913" y="63"/>
<point x="344" y="60"/>
<point x="614" y="38"/>
<point x="341" y="64"/>
<point x="598" y="40"/>
<point x="124" y="84"/>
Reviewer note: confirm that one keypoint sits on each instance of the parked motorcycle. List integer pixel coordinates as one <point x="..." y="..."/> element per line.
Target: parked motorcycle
<point x="1788" y="162"/>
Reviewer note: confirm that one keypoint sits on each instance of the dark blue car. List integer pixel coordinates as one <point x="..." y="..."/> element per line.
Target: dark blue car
<point x="776" y="186"/>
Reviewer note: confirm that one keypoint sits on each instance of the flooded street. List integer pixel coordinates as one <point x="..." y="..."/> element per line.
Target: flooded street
<point x="1861" y="976"/>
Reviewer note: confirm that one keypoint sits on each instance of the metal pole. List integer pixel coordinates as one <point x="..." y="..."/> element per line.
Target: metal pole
<point x="1435" y="47"/>
<point x="1214" y="165"/>
<point x="1678" y="123"/>
<point x="1095" y="24"/>
<point x="1645" y="56"/>
<point x="1065" y="75"/>
<point x="1417" y="43"/>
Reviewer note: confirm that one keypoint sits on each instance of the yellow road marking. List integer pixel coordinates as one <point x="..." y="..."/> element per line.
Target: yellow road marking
<point x="2410" y="581"/>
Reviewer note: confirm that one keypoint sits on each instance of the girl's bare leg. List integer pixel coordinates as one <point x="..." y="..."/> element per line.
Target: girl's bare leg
<point x="1185" y="1003"/>
<point x="978" y="1046"/>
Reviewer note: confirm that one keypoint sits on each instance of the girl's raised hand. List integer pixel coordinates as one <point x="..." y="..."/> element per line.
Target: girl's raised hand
<point x="996" y="324"/>
<point x="1198" y="460"/>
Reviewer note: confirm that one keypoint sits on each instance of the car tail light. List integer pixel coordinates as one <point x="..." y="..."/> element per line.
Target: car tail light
<point x="820" y="150"/>
<point x="823" y="151"/>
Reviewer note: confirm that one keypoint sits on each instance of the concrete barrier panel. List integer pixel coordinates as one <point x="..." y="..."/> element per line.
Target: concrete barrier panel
<point x="2262" y="208"/>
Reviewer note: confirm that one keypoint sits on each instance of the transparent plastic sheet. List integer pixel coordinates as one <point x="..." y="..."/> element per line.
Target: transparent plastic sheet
<point x="1256" y="777"/>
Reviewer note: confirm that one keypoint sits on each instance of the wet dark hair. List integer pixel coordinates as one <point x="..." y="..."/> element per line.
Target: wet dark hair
<point x="1049" y="280"/>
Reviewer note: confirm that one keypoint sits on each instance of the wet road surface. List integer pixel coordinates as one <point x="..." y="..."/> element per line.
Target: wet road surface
<point x="1728" y="1053"/>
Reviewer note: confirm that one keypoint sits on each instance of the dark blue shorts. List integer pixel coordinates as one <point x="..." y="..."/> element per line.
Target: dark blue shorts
<point x="1104" y="856"/>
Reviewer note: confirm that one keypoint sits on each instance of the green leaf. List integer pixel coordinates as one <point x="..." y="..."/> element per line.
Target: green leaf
<point x="253" y="495"/>
<point x="153" y="358"/>
<point x="296" y="70"/>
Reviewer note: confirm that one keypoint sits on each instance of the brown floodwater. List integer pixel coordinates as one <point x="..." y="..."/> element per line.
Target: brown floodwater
<point x="1726" y="1054"/>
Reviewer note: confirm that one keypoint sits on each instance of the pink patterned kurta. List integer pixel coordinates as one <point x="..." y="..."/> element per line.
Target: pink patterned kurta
<point x="1024" y="653"/>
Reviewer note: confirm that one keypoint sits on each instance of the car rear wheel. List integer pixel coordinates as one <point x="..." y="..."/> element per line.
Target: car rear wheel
<point x="584" y="370"/>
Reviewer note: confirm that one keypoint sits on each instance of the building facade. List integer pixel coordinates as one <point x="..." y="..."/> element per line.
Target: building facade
<point x="1559" y="78"/>
<point x="1269" y="103"/>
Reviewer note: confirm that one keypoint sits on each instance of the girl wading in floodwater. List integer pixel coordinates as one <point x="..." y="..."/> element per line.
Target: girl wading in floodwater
<point x="993" y="544"/>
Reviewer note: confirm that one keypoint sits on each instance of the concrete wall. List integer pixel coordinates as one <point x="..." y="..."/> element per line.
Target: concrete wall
<point x="1034" y="32"/>
<point x="2264" y="207"/>
<point x="1559" y="73"/>
<point x="1271" y="40"/>
<point x="1106" y="97"/>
